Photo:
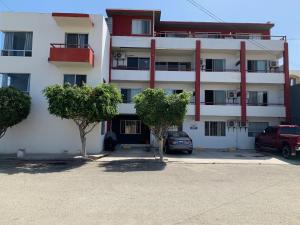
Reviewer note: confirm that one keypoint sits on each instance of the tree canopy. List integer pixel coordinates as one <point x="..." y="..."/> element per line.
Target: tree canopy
<point x="160" y="111"/>
<point x="86" y="106"/>
<point x="14" y="107"/>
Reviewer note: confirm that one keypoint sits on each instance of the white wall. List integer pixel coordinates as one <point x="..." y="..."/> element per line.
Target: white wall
<point x="42" y="132"/>
<point x="235" y="138"/>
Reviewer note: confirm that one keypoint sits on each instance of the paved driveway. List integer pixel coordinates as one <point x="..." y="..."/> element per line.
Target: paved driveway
<point x="144" y="191"/>
<point x="205" y="156"/>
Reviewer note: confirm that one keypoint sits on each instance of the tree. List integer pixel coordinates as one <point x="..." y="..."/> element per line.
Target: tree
<point x="160" y="111"/>
<point x="14" y="107"/>
<point x="86" y="106"/>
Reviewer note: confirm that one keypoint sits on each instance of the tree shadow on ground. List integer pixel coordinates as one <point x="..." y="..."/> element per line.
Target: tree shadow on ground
<point x="133" y="165"/>
<point x="11" y="167"/>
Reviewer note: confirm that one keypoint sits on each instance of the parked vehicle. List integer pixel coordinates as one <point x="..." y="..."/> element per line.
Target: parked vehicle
<point x="178" y="141"/>
<point x="285" y="138"/>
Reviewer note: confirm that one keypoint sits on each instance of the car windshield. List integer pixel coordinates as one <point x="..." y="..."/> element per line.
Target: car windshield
<point x="290" y="130"/>
<point x="177" y="134"/>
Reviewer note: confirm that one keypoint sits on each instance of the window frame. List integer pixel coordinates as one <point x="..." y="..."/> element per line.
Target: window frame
<point x="220" y="132"/>
<point x="86" y="45"/>
<point x="136" y="133"/>
<point x="21" y="74"/>
<point x="13" y="51"/>
<point x="75" y="79"/>
<point x="141" y="34"/>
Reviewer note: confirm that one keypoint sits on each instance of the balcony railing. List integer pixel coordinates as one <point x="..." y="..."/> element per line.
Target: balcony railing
<point x="71" y="53"/>
<point x="129" y="68"/>
<point x="183" y="34"/>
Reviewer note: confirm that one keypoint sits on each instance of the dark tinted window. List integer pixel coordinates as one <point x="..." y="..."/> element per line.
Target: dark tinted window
<point x="290" y="130"/>
<point x="177" y="134"/>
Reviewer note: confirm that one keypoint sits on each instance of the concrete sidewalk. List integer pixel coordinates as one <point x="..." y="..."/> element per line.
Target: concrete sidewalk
<point x="204" y="156"/>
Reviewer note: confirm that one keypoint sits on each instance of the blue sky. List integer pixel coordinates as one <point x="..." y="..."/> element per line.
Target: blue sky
<point x="285" y="14"/>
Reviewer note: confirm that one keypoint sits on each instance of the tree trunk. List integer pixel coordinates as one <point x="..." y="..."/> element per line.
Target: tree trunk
<point x="161" y="149"/>
<point x="83" y="142"/>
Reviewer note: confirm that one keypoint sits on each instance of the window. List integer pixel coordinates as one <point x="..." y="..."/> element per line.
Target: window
<point x="173" y="66"/>
<point x="75" y="79"/>
<point x="215" y="64"/>
<point x="16" y="44"/>
<point x="255" y="128"/>
<point x="257" y="66"/>
<point x="213" y="128"/>
<point x="16" y="80"/>
<point x="128" y="94"/>
<point x="135" y="63"/>
<point x="173" y="91"/>
<point x="213" y="97"/>
<point x="208" y="35"/>
<point x="257" y="98"/>
<point x="141" y="27"/>
<point x="130" y="127"/>
<point x="77" y="40"/>
<point x="248" y="36"/>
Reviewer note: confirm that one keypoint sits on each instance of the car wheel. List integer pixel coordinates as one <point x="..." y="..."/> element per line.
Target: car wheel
<point x="190" y="152"/>
<point x="286" y="151"/>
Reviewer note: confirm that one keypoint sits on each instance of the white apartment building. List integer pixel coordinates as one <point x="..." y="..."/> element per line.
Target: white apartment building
<point x="38" y="50"/>
<point x="232" y="69"/>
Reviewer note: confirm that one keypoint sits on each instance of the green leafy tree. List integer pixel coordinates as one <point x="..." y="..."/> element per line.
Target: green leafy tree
<point x="160" y="111"/>
<point x="14" y="107"/>
<point x="86" y="106"/>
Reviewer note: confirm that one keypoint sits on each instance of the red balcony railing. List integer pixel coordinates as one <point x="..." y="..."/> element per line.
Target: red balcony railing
<point x="75" y="54"/>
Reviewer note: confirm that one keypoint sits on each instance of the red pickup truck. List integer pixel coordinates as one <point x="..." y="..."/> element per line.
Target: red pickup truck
<point x="285" y="138"/>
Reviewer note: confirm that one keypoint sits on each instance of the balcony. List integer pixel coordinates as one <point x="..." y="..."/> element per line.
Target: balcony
<point x="275" y="110"/>
<point x="266" y="77"/>
<point x="220" y="110"/>
<point x="184" y="42"/>
<point x="63" y="55"/>
<point x="73" y="19"/>
<point x="129" y="74"/>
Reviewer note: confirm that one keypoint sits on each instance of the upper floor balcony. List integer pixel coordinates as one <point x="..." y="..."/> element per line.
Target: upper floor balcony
<point x="71" y="55"/>
<point x="181" y="41"/>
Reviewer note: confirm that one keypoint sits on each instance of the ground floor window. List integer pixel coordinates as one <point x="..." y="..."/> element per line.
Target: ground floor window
<point x="16" y="80"/>
<point x="130" y="126"/>
<point x="255" y="128"/>
<point x="75" y="79"/>
<point x="215" y="128"/>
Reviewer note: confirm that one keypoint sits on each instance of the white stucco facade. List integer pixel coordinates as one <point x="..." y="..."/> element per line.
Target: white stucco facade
<point x="42" y="132"/>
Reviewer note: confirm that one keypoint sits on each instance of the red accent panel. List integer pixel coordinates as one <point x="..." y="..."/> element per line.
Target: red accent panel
<point x="152" y="64"/>
<point x="122" y="25"/>
<point x="286" y="82"/>
<point x="70" y="15"/>
<point x="243" y="83"/>
<point x="83" y="55"/>
<point x="110" y="59"/>
<point x="197" y="80"/>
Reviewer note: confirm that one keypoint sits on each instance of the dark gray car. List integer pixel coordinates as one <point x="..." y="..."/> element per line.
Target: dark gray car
<point x="178" y="141"/>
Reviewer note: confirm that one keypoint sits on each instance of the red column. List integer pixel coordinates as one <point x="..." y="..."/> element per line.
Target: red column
<point x="243" y="94"/>
<point x="197" y="80"/>
<point x="152" y="64"/>
<point x="108" y="127"/>
<point x="110" y="59"/>
<point x="286" y="82"/>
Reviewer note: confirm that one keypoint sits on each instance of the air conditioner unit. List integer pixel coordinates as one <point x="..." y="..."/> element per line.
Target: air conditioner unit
<point x="119" y="55"/>
<point x="231" y="94"/>
<point x="273" y="63"/>
<point x="231" y="124"/>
